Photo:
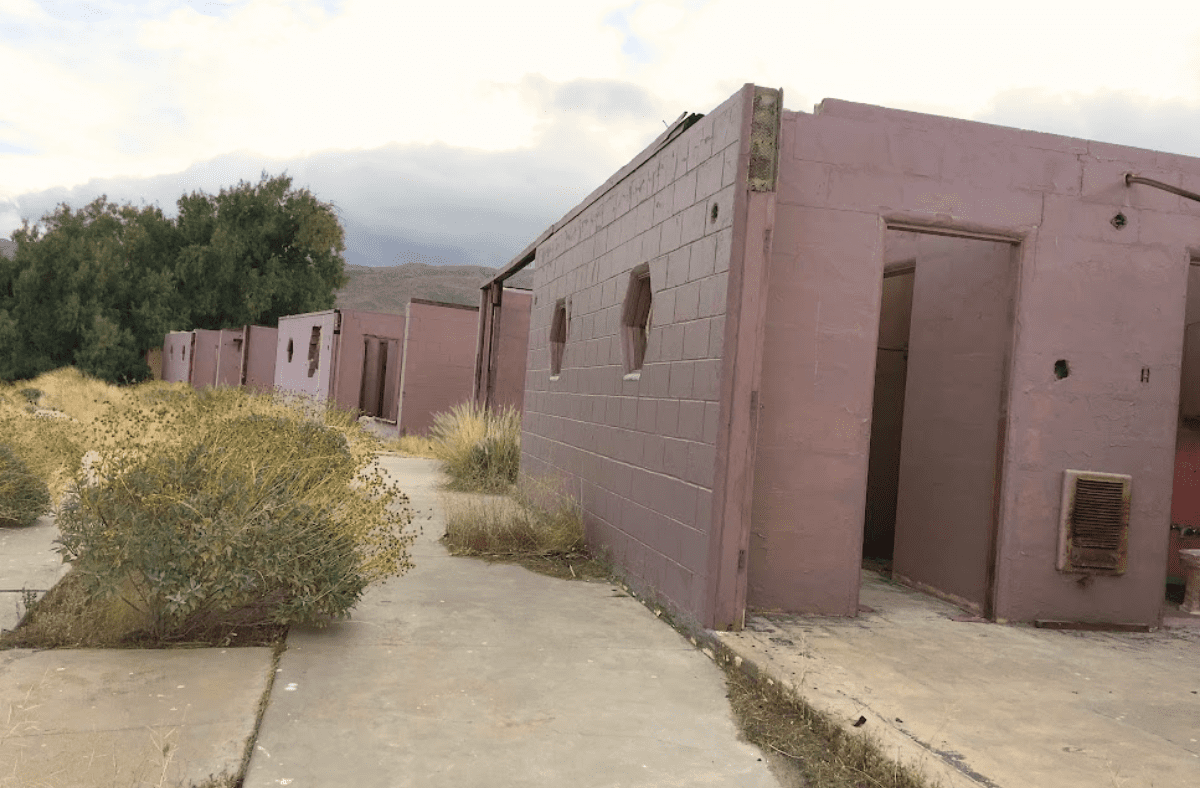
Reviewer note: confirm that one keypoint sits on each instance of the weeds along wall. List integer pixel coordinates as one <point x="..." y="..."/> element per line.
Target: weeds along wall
<point x="635" y="436"/>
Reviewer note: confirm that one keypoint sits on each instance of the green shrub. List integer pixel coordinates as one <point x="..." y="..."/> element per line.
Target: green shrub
<point x="24" y="497"/>
<point x="259" y="517"/>
<point x="480" y="449"/>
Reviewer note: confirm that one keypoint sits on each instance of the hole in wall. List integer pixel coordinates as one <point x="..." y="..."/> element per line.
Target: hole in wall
<point x="635" y="318"/>
<point x="716" y="210"/>
<point x="558" y="336"/>
<point x="291" y="348"/>
<point x="1061" y="368"/>
<point x="1119" y="221"/>
<point x="314" y="351"/>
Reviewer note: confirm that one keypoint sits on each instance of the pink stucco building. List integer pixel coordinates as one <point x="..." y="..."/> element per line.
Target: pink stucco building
<point x="779" y="342"/>
<point x="438" y="363"/>
<point x="229" y="357"/>
<point x="503" y="346"/>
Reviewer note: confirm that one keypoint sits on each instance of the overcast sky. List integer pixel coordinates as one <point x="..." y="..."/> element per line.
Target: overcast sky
<point x="455" y="132"/>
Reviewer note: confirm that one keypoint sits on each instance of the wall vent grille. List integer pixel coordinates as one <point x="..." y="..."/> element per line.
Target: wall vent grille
<point x="1094" y="529"/>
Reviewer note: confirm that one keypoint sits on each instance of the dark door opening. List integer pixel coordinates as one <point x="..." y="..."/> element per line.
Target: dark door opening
<point x="939" y="413"/>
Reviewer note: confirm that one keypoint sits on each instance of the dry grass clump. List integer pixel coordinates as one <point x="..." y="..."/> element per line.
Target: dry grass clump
<point x="412" y="446"/>
<point x="536" y="526"/>
<point x="23" y="495"/>
<point x="824" y="752"/>
<point x="480" y="449"/>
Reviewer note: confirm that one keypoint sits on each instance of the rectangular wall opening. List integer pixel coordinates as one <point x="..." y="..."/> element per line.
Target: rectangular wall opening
<point x="940" y="407"/>
<point x="1185" y="493"/>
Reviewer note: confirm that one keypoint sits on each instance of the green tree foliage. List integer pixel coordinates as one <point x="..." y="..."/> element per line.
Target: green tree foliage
<point x="97" y="287"/>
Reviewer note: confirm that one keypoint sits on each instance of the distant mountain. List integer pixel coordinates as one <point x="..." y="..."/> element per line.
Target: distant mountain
<point x="388" y="288"/>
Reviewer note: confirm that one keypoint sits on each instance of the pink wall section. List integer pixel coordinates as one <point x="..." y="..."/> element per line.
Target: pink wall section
<point x="359" y="329"/>
<point x="258" y="359"/>
<point x="205" y="350"/>
<point x="177" y="357"/>
<point x="293" y="370"/>
<point x="438" y="362"/>
<point x="229" y="356"/>
<point x="640" y="451"/>
<point x="513" y="352"/>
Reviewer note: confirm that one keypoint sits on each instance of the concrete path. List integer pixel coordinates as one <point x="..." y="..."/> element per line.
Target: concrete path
<point x="979" y="704"/>
<point x="128" y="718"/>
<point x="465" y="674"/>
<point x="27" y="561"/>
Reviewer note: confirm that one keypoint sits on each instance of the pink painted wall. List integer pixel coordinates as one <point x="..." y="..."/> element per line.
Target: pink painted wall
<point x="229" y="356"/>
<point x="640" y="451"/>
<point x="438" y="364"/>
<point x="293" y="371"/>
<point x="368" y="332"/>
<point x="512" y="353"/>
<point x="1108" y="300"/>
<point x="177" y="357"/>
<point x="258" y="359"/>
<point x="205" y="350"/>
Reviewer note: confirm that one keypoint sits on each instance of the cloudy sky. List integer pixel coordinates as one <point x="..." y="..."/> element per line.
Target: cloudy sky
<point x="455" y="131"/>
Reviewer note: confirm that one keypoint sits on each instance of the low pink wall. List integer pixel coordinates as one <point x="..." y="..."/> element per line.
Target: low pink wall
<point x="1106" y="296"/>
<point x="438" y="362"/>
<point x="358" y="330"/>
<point x="258" y="362"/>
<point x="177" y="358"/>
<point x="229" y="356"/>
<point x="512" y="354"/>
<point x="206" y="349"/>
<point x="296" y="371"/>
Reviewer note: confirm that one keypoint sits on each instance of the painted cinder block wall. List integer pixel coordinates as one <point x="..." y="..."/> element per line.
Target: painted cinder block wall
<point x="206" y="347"/>
<point x="258" y="358"/>
<point x="301" y="366"/>
<point x="177" y="357"/>
<point x="641" y="452"/>
<point x="512" y="353"/>
<point x="230" y="356"/>
<point x="363" y="334"/>
<point x="1109" y="300"/>
<point x="438" y="364"/>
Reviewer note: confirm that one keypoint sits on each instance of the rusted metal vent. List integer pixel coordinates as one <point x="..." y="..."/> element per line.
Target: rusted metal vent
<point x="1094" y="529"/>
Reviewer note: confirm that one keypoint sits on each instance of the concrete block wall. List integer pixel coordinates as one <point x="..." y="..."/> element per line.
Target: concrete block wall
<point x="1105" y="295"/>
<point x="206" y="348"/>
<point x="640" y="452"/>
<point x="259" y="358"/>
<point x="177" y="357"/>
<point x="230" y="356"/>
<point x="513" y="352"/>
<point x="294" y="373"/>
<point x="438" y="366"/>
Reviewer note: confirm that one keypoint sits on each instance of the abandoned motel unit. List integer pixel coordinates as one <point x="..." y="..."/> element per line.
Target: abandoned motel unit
<point x="396" y="368"/>
<point x="778" y="343"/>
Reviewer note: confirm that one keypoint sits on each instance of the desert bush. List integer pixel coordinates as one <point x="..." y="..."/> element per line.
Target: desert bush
<point x="536" y="520"/>
<point x="480" y="449"/>
<point x="23" y="495"/>
<point x="222" y="509"/>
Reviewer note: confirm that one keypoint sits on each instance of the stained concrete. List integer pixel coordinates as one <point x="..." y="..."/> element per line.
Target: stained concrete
<point x="980" y="704"/>
<point x="127" y="718"/>
<point x="463" y="673"/>
<point x="27" y="563"/>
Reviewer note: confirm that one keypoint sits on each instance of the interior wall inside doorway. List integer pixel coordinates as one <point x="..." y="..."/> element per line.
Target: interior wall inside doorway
<point x="939" y="411"/>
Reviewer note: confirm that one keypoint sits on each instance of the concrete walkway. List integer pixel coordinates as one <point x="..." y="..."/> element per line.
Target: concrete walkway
<point x="978" y="704"/>
<point x="463" y="673"/>
<point x="27" y="562"/>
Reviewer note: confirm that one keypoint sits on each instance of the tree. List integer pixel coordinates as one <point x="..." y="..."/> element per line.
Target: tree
<point x="91" y="288"/>
<point x="257" y="252"/>
<point x="98" y="287"/>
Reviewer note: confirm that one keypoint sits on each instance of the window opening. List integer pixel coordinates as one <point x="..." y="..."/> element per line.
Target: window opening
<point x="290" y="349"/>
<point x="314" y="351"/>
<point x="635" y="318"/>
<point x="558" y="337"/>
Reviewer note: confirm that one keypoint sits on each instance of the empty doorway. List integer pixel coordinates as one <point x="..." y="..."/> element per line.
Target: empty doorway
<point x="940" y="407"/>
<point x="371" y="399"/>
